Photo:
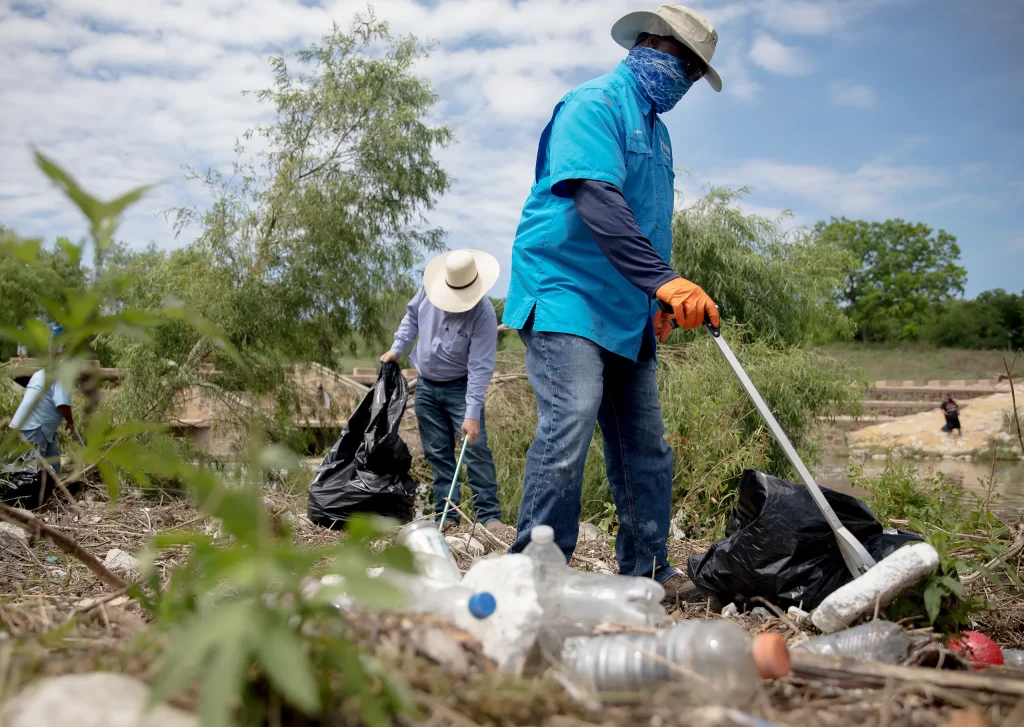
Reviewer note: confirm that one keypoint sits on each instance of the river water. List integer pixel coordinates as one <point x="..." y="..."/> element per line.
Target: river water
<point x="832" y="472"/>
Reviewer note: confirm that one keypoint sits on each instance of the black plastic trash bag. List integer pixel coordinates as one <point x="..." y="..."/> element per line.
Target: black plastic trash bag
<point x="367" y="469"/>
<point x="22" y="483"/>
<point x="779" y="546"/>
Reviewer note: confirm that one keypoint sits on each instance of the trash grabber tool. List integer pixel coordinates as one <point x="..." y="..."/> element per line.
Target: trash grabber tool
<point x="451" y="490"/>
<point x="857" y="558"/>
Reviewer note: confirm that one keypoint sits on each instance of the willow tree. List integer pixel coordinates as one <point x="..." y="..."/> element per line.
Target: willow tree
<point x="316" y="233"/>
<point x="779" y="283"/>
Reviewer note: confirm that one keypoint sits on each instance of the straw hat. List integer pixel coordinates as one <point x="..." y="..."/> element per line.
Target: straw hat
<point x="676" y="21"/>
<point x="456" y="281"/>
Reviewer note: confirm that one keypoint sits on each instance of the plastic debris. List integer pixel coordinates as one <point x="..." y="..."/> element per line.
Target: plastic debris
<point x="719" y="658"/>
<point x="1013" y="657"/>
<point x="874" y="641"/>
<point x="877" y="588"/>
<point x="367" y="469"/>
<point x="122" y="563"/>
<point x="430" y="551"/>
<point x="981" y="651"/>
<point x="779" y="546"/>
<point x="508" y="636"/>
<point x="590" y="599"/>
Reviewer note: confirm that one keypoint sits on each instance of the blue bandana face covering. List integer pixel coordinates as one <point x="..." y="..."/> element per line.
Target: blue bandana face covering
<point x="661" y="77"/>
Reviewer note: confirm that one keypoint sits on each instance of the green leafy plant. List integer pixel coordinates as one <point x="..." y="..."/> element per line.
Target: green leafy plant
<point x="230" y="619"/>
<point x="970" y="540"/>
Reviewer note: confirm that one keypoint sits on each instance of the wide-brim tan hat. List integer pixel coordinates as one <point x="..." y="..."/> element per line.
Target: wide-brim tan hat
<point x="456" y="281"/>
<point x="677" y="21"/>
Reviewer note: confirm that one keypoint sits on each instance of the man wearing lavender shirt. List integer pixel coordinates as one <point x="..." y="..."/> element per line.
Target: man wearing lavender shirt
<point x="457" y="332"/>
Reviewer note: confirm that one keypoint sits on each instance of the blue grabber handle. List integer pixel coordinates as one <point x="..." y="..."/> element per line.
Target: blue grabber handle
<point x="715" y="331"/>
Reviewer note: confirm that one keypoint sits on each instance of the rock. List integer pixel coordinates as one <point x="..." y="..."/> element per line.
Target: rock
<point x="506" y="636"/>
<point x="12" y="536"/>
<point x="799" y="616"/>
<point x="91" y="700"/>
<point x="473" y="547"/>
<point x="122" y="563"/>
<point x="441" y="648"/>
<point x="589" y="531"/>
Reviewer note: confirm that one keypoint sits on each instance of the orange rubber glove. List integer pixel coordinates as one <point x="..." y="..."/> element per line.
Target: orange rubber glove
<point x="689" y="306"/>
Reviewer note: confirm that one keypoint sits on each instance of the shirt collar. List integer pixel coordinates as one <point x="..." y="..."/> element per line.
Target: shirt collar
<point x="624" y="72"/>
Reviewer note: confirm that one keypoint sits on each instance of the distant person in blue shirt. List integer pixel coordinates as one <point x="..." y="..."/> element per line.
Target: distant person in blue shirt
<point x="458" y="339"/>
<point x="589" y="265"/>
<point x="45" y="405"/>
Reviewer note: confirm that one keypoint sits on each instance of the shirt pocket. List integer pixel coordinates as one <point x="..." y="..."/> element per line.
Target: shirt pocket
<point x="639" y="155"/>
<point x="455" y="340"/>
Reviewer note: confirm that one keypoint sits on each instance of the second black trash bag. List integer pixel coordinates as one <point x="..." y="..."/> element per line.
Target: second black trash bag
<point x="367" y="469"/>
<point x="779" y="547"/>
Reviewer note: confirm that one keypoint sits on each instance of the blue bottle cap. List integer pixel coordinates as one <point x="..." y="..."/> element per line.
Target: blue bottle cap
<point x="482" y="604"/>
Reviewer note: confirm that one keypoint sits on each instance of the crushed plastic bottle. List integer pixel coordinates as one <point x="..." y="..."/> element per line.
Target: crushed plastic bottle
<point x="430" y="552"/>
<point x="873" y="641"/>
<point x="1014" y="658"/>
<point x="589" y="599"/>
<point x="719" y="658"/>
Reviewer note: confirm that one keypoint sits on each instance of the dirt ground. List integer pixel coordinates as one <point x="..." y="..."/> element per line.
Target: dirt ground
<point x="982" y="421"/>
<point x="58" y="618"/>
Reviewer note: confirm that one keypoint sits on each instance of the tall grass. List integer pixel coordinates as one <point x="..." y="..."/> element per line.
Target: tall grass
<point x="714" y="431"/>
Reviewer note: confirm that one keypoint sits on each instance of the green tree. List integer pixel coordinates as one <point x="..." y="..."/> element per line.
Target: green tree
<point x="25" y="283"/>
<point x="315" y="237"/>
<point x="995" y="319"/>
<point x="780" y="284"/>
<point x="902" y="270"/>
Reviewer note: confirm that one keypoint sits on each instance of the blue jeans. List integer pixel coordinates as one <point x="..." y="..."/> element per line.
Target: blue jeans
<point x="578" y="384"/>
<point x="46" y="448"/>
<point x="440" y="410"/>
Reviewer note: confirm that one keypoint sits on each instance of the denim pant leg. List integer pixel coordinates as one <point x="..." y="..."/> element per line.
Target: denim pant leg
<point x="566" y="373"/>
<point x="438" y="442"/>
<point x="639" y="465"/>
<point x="48" y="449"/>
<point x="483" y="480"/>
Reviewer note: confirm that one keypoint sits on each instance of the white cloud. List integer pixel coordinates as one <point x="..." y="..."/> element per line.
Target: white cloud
<point x="125" y="93"/>
<point x="773" y="56"/>
<point x="853" y="95"/>
<point x="822" y="17"/>
<point x="872" y="189"/>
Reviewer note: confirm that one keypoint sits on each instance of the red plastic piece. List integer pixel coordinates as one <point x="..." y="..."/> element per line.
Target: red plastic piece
<point x="977" y="648"/>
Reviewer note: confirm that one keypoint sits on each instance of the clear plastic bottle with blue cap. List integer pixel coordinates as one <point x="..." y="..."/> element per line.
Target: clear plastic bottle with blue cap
<point x="452" y="601"/>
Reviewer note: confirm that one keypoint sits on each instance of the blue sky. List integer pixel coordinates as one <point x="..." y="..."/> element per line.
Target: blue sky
<point x="869" y="109"/>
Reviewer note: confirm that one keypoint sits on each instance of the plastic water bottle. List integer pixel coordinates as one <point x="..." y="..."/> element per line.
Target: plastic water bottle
<point x="720" y="660"/>
<point x="453" y="602"/>
<point x="1014" y="658"/>
<point x="873" y="641"/>
<point x="589" y="599"/>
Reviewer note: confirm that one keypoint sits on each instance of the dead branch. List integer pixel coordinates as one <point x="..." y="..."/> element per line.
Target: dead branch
<point x="1013" y="550"/>
<point x="1013" y="398"/>
<point x="37" y="527"/>
<point x="849" y="673"/>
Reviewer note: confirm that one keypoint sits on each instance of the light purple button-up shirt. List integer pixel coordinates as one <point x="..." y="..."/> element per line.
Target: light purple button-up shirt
<point x="451" y="345"/>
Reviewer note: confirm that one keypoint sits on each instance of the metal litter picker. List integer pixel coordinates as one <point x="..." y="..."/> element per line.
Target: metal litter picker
<point x="857" y="558"/>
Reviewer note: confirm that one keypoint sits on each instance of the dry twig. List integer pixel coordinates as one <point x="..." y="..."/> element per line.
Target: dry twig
<point x="37" y="527"/>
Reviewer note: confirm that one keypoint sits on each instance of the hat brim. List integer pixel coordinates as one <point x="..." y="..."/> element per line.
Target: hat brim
<point x="629" y="26"/>
<point x="451" y="300"/>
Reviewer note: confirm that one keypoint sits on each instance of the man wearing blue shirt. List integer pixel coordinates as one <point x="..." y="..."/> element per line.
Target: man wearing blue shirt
<point x="45" y="405"/>
<point x="589" y="267"/>
<point x="455" y="353"/>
